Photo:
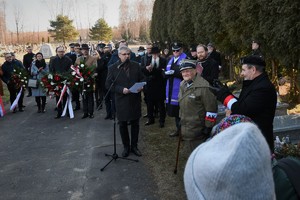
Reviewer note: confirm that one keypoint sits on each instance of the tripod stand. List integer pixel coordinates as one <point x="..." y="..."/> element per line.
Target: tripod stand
<point x="114" y="156"/>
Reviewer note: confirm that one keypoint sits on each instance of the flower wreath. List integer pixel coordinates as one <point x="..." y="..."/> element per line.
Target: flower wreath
<point x="53" y="83"/>
<point x="82" y="78"/>
<point x="19" y="78"/>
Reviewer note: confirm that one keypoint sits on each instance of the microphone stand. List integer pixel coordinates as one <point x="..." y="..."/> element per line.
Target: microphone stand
<point x="114" y="156"/>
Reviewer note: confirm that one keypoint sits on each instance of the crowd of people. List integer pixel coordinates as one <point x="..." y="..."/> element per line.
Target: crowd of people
<point x="182" y="85"/>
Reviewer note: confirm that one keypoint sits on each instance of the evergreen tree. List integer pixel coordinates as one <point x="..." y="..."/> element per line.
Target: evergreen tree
<point x="101" y="31"/>
<point x="62" y="29"/>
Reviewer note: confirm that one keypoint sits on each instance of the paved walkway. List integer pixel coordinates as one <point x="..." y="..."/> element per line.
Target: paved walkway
<point x="50" y="159"/>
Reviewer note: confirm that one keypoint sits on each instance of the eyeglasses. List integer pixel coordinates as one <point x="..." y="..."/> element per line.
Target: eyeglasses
<point x="175" y="50"/>
<point x="124" y="54"/>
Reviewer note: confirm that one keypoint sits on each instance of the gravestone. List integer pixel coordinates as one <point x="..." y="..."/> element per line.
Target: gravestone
<point x="47" y="51"/>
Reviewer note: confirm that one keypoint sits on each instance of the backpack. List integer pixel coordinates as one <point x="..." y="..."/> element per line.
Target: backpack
<point x="286" y="174"/>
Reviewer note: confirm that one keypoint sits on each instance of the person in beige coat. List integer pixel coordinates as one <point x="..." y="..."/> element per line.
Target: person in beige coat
<point x="87" y="93"/>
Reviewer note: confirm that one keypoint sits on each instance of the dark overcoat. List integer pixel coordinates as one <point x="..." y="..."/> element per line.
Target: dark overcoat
<point x="128" y="106"/>
<point x="258" y="101"/>
<point x="156" y="83"/>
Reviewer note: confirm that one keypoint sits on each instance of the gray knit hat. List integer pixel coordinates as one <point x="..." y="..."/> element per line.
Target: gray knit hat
<point x="235" y="164"/>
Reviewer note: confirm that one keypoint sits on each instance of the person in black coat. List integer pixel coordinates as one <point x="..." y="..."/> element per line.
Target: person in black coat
<point x="123" y="75"/>
<point x="27" y="60"/>
<point x="210" y="67"/>
<point x="258" y="97"/>
<point x="216" y="56"/>
<point x="60" y="64"/>
<point x="156" y="87"/>
<point x="72" y="54"/>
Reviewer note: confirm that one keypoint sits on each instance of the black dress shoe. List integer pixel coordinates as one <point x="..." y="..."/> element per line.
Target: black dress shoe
<point x="21" y="109"/>
<point x="176" y="133"/>
<point x="76" y="108"/>
<point x="136" y="151"/>
<point x="149" y="122"/>
<point x="161" y="124"/>
<point x="91" y="116"/>
<point x="107" y="117"/>
<point x="57" y="117"/>
<point x="125" y="152"/>
<point x="145" y="116"/>
<point x="84" y="116"/>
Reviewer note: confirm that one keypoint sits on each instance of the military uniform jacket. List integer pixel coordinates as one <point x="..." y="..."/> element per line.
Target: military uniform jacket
<point x="258" y="101"/>
<point x="128" y="106"/>
<point x="198" y="108"/>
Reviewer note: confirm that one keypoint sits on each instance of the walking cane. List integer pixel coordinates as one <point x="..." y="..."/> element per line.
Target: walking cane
<point x="177" y="154"/>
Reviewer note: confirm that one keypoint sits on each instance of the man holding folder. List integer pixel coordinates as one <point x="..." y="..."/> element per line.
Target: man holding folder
<point x="122" y="75"/>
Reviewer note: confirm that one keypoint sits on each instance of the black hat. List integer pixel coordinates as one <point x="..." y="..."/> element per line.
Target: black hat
<point x="193" y="48"/>
<point x="253" y="60"/>
<point x="256" y="41"/>
<point x="71" y="45"/>
<point x="187" y="64"/>
<point x="141" y="48"/>
<point x="155" y="50"/>
<point x="176" y="46"/>
<point x="101" y="45"/>
<point x="85" y="47"/>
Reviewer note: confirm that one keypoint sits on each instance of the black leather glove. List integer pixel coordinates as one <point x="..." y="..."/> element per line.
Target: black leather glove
<point x="206" y="130"/>
<point x="220" y="90"/>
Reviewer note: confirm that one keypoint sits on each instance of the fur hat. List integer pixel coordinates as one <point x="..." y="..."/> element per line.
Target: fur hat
<point x="235" y="164"/>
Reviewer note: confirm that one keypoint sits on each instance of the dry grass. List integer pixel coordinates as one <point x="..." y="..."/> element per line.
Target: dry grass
<point x="159" y="152"/>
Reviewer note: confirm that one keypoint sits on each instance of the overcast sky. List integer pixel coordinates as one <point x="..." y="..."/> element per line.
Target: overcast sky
<point x="35" y="14"/>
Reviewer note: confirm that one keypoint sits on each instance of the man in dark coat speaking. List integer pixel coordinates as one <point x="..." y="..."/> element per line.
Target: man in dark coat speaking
<point x="257" y="99"/>
<point x="126" y="73"/>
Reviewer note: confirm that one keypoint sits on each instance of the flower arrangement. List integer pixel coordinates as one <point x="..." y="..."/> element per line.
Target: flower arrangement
<point x="285" y="148"/>
<point x="82" y="78"/>
<point x="53" y="83"/>
<point x="19" y="78"/>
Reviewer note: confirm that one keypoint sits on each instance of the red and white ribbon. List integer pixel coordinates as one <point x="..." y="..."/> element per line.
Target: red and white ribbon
<point x="15" y="103"/>
<point x="63" y="91"/>
<point x="68" y="105"/>
<point x="2" y="110"/>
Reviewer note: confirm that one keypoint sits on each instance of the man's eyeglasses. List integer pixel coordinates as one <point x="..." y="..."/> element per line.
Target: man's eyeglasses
<point x="124" y="54"/>
<point x="175" y="50"/>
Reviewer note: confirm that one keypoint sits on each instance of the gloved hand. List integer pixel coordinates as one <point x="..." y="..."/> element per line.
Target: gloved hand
<point x="206" y="131"/>
<point x="220" y="90"/>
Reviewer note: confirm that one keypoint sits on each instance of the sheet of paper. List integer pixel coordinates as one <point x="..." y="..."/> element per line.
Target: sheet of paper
<point x="136" y="86"/>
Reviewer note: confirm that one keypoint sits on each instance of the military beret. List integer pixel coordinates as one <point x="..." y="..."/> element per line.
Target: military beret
<point x="253" y="60"/>
<point x="187" y="64"/>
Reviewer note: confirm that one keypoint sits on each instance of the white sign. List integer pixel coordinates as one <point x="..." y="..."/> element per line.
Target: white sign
<point x="47" y="51"/>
